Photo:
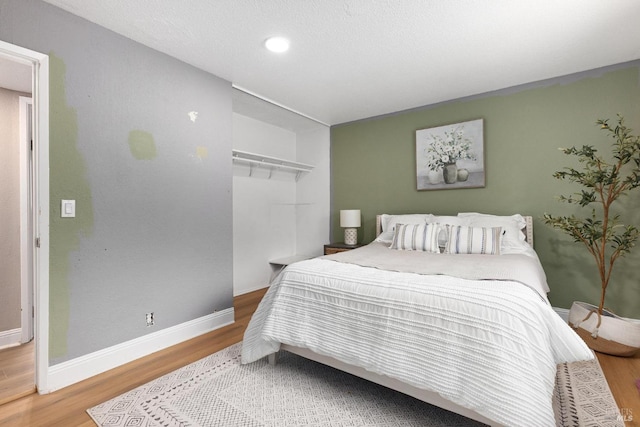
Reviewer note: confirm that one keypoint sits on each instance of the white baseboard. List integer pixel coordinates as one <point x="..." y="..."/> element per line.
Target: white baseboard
<point x="83" y="367"/>
<point x="10" y="338"/>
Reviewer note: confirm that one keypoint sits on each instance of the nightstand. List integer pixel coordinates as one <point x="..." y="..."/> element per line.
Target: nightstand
<point x="334" y="248"/>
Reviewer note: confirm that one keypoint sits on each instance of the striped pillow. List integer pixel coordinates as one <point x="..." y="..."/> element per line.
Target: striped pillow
<point x="473" y="240"/>
<point x="416" y="237"/>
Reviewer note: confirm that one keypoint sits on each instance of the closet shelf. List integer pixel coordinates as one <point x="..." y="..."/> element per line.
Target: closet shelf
<point x="272" y="163"/>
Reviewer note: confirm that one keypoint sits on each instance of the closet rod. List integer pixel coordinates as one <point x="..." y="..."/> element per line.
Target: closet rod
<point x="271" y="165"/>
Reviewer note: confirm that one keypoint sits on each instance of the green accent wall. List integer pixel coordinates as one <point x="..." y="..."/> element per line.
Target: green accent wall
<point x="373" y="168"/>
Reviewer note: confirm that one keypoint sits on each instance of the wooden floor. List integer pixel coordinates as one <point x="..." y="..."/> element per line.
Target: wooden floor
<point x="66" y="407"/>
<point x="622" y="374"/>
<point x="17" y="373"/>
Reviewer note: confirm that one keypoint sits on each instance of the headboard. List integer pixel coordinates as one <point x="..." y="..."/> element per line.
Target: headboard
<point x="527" y="230"/>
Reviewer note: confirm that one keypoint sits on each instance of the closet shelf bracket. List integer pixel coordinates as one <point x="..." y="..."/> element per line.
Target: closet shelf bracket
<point x="271" y="163"/>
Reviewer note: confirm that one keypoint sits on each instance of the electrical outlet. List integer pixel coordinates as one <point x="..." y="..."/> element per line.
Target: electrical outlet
<point x="150" y="319"/>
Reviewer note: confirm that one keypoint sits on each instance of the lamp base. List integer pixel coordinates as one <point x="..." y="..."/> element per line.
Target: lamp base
<point x="351" y="236"/>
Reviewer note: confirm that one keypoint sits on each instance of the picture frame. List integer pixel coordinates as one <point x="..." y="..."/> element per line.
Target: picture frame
<point x="450" y="156"/>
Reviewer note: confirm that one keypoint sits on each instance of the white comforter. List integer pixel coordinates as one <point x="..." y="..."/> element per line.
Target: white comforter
<point x="488" y="345"/>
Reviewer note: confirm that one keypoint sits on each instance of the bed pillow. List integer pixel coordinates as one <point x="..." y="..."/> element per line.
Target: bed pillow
<point x="416" y="237"/>
<point x="513" y="238"/>
<point x="475" y="216"/>
<point x="473" y="240"/>
<point x="388" y="222"/>
<point x="443" y="219"/>
<point x="385" y="237"/>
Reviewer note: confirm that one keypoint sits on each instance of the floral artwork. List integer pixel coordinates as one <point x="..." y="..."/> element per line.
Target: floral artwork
<point x="450" y="156"/>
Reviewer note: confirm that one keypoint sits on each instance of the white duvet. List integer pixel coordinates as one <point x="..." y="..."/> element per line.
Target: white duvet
<point x="488" y="345"/>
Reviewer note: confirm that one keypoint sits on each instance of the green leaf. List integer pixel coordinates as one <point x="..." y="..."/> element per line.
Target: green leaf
<point x="603" y="181"/>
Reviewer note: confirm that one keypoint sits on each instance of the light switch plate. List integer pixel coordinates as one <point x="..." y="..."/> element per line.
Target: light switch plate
<point x="68" y="208"/>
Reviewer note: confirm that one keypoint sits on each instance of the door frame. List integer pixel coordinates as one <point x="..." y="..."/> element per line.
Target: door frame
<point x="40" y="189"/>
<point x="26" y="220"/>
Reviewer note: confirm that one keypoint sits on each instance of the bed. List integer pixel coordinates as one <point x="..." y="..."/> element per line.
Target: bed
<point x="450" y="310"/>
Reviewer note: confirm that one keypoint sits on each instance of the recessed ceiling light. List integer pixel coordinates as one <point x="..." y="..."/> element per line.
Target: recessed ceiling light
<point x="277" y="44"/>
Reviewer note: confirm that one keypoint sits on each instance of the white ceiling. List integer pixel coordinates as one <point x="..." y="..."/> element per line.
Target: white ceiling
<point x="353" y="59"/>
<point x="15" y="75"/>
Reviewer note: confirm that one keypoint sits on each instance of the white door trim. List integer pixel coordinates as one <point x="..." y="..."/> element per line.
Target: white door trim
<point x="40" y="92"/>
<point x="26" y="234"/>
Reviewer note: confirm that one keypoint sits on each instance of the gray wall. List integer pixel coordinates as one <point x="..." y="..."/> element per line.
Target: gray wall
<point x="153" y="230"/>
<point x="9" y="209"/>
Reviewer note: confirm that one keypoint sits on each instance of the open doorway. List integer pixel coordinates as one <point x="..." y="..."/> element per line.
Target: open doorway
<point x="24" y="213"/>
<point x="17" y="350"/>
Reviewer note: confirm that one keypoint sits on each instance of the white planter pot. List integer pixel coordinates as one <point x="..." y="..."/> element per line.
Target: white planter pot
<point x="606" y="333"/>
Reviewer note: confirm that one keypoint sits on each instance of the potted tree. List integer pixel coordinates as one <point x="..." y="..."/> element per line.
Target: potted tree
<point x="603" y="182"/>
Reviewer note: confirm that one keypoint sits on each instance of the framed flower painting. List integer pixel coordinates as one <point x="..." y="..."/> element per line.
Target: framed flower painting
<point x="450" y="156"/>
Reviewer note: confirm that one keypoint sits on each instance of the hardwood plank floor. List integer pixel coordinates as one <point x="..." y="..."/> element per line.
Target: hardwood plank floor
<point x="66" y="407"/>
<point x="17" y="375"/>
<point x="622" y="374"/>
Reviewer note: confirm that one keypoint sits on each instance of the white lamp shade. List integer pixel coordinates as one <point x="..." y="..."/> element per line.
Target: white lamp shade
<point x="350" y="218"/>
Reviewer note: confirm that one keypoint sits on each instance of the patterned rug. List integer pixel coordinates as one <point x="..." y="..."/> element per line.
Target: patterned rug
<point x="219" y="391"/>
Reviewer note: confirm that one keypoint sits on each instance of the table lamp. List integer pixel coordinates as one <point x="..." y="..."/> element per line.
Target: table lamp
<point x="350" y="221"/>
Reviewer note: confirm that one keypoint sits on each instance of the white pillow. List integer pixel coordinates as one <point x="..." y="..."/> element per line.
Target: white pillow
<point x="416" y="237"/>
<point x="513" y="239"/>
<point x="388" y="222"/>
<point x="451" y="220"/>
<point x="385" y="237"/>
<point x="475" y="216"/>
<point x="473" y="240"/>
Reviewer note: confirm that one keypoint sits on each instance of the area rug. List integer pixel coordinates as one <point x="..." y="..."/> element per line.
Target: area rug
<point x="219" y="391"/>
